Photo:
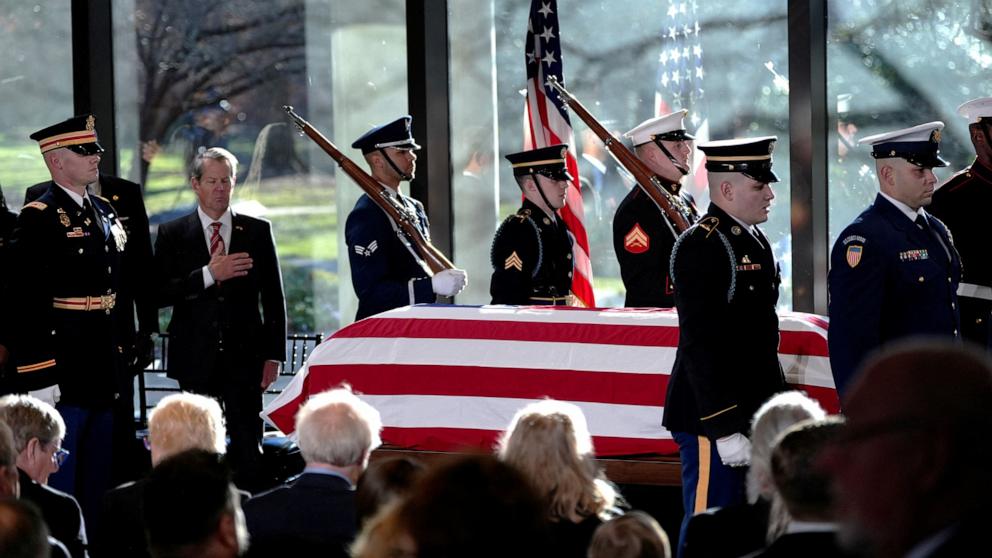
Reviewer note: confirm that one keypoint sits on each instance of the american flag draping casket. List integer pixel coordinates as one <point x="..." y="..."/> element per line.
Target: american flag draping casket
<point x="449" y="377"/>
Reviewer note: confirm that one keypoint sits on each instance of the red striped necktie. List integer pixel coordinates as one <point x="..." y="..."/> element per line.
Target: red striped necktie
<point x="216" y="241"/>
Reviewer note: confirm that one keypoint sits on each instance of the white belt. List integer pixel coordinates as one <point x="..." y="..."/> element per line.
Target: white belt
<point x="975" y="291"/>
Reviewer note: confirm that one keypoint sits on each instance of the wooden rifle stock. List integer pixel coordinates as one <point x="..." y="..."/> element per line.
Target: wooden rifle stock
<point x="432" y="258"/>
<point x="673" y="208"/>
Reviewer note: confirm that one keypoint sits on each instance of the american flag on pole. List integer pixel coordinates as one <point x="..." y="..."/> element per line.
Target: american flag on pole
<point x="679" y="83"/>
<point x="449" y="377"/>
<point x="546" y="123"/>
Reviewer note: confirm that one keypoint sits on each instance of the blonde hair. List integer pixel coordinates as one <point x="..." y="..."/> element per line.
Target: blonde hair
<point x="632" y="535"/>
<point x="185" y="421"/>
<point x="29" y="417"/>
<point x="549" y="442"/>
<point x="337" y="428"/>
<point x="383" y="536"/>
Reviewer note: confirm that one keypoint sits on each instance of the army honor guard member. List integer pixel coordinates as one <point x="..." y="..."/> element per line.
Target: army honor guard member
<point x="894" y="271"/>
<point x="961" y="203"/>
<point x="642" y="235"/>
<point x="67" y="250"/>
<point x="386" y="271"/>
<point x="726" y="288"/>
<point x="532" y="251"/>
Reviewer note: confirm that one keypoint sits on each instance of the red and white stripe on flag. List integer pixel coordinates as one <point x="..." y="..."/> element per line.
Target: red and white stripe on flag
<point x="546" y="123"/>
<point x="450" y="377"/>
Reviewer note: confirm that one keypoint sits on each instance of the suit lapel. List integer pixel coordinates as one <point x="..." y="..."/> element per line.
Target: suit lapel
<point x="238" y="234"/>
<point x="196" y="238"/>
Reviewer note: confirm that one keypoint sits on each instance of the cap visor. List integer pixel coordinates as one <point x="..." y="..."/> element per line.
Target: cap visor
<point x="86" y="148"/>
<point x="764" y="176"/>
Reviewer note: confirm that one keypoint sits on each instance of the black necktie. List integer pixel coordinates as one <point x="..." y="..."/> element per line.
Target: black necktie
<point x="921" y="222"/>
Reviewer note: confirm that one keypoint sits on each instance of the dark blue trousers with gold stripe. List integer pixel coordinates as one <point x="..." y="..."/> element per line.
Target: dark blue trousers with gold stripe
<point x="706" y="481"/>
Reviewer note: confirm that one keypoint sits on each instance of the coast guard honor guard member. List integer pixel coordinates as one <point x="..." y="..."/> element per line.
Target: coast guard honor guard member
<point x="71" y="333"/>
<point x="726" y="288"/>
<point x="962" y="204"/>
<point x="894" y="271"/>
<point x="532" y="251"/>
<point x="642" y="235"/>
<point x="385" y="269"/>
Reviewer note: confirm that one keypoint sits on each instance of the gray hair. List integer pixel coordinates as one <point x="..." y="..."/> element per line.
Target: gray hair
<point x="29" y="417"/>
<point x="184" y="421"/>
<point x="8" y="452"/>
<point x="216" y="154"/>
<point x="337" y="428"/>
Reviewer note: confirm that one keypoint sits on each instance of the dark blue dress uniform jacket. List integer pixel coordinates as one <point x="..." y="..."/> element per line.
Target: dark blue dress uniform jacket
<point x="962" y="204"/>
<point x="61" y="253"/>
<point x="888" y="279"/>
<point x="726" y="365"/>
<point x="643" y="240"/>
<point x="385" y="271"/>
<point x="532" y="259"/>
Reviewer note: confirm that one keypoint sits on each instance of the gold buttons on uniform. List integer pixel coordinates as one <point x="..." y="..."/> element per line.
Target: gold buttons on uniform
<point x="953" y="306"/>
<point x="920" y="279"/>
<point x="568" y="256"/>
<point x="569" y="273"/>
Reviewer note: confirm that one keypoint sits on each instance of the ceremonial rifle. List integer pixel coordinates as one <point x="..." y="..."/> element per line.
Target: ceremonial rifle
<point x="406" y="219"/>
<point x="676" y="211"/>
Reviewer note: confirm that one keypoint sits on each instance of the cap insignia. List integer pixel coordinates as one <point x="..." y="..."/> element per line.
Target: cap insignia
<point x="935" y="136"/>
<point x="90" y="123"/>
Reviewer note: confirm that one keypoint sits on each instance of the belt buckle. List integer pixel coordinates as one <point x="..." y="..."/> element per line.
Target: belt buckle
<point x="108" y="302"/>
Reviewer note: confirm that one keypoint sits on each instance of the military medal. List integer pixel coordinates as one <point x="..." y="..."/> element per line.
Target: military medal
<point x="64" y="219"/>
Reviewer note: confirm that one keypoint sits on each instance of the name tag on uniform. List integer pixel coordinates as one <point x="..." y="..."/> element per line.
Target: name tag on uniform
<point x="913" y="255"/>
<point x="76" y="232"/>
<point x="749" y="267"/>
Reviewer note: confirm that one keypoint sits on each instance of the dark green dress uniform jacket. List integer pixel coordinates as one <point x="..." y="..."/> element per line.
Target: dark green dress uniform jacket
<point x="532" y="259"/>
<point x="962" y="204"/>
<point x="60" y="252"/>
<point x="726" y="365"/>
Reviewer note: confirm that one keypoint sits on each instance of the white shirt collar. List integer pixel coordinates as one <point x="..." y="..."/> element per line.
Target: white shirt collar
<point x="206" y="220"/>
<point x="927" y="546"/>
<point x="76" y="197"/>
<point x="905" y="209"/>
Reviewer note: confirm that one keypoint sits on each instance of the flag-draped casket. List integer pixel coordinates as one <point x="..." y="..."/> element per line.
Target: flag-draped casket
<point x="450" y="377"/>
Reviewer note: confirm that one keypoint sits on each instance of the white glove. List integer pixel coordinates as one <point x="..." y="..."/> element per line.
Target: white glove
<point x="734" y="450"/>
<point x="449" y="282"/>
<point x="50" y="394"/>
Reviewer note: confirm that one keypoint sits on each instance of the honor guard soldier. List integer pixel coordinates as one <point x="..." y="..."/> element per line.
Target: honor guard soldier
<point x="386" y="271"/>
<point x="726" y="288"/>
<point x="894" y="271"/>
<point x="532" y="252"/>
<point x="71" y="333"/>
<point x="961" y="203"/>
<point x="642" y="235"/>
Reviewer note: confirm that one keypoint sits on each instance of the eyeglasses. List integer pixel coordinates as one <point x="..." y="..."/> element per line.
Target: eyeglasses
<point x="60" y="456"/>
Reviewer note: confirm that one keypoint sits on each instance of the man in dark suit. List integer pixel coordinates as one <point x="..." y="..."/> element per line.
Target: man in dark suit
<point x="961" y="204"/>
<point x="642" y="234"/>
<point x="386" y="272"/>
<point x="38" y="432"/>
<point x="894" y="271"/>
<point x="315" y="514"/>
<point x="726" y="288"/>
<point x="216" y="269"/>
<point x="137" y="291"/>
<point x="71" y="334"/>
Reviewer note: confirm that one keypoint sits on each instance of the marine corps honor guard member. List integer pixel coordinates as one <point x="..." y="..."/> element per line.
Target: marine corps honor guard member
<point x="642" y="235"/>
<point x="386" y="271"/>
<point x="67" y="251"/>
<point x="962" y="204"/>
<point x="726" y="288"/>
<point x="532" y="251"/>
<point x="894" y="271"/>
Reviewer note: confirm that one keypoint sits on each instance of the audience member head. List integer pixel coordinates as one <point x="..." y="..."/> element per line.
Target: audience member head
<point x="192" y="509"/>
<point x="632" y="535"/>
<point x="913" y="458"/>
<point x="184" y="421"/>
<point x="10" y="485"/>
<point x="23" y="533"/>
<point x="549" y="442"/>
<point x="804" y="488"/>
<point x="775" y="416"/>
<point x="384" y="481"/>
<point x="337" y="430"/>
<point x="38" y="432"/>
<point x="467" y="506"/>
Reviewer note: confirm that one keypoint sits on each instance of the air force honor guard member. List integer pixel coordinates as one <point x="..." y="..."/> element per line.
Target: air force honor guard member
<point x="532" y="252"/>
<point x="642" y="235"/>
<point x="894" y="271"/>
<point x="386" y="271"/>
<point x="726" y="288"/>
<point x="962" y="204"/>
<point x="67" y="251"/>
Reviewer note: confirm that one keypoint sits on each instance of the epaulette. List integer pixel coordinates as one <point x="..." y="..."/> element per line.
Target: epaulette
<point x="709" y="225"/>
<point x="36" y="204"/>
<point x="522" y="215"/>
<point x="100" y="197"/>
